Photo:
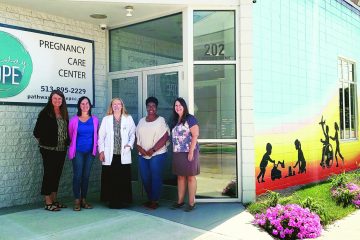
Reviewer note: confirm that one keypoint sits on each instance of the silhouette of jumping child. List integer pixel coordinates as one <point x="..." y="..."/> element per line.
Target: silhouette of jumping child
<point x="336" y="139"/>
<point x="326" y="150"/>
<point x="301" y="159"/>
<point x="264" y="162"/>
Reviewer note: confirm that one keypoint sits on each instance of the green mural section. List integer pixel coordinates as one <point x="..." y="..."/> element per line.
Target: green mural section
<point x="297" y="46"/>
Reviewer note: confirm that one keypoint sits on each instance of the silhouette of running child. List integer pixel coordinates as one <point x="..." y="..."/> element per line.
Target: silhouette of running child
<point x="336" y="139"/>
<point x="264" y="162"/>
<point x="301" y="159"/>
<point x="325" y="142"/>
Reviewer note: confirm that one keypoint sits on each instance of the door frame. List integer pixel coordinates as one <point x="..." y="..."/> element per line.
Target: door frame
<point x="141" y="74"/>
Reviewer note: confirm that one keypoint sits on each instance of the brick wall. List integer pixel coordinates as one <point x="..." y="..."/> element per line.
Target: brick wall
<point x="20" y="160"/>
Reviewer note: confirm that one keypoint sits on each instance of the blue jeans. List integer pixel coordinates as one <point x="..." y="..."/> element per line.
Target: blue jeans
<point x="81" y="168"/>
<point x="151" y="175"/>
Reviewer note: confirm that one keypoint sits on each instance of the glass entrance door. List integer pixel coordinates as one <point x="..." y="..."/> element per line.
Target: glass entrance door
<point x="134" y="87"/>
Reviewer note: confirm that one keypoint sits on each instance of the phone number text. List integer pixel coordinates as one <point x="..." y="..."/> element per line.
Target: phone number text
<point x="63" y="89"/>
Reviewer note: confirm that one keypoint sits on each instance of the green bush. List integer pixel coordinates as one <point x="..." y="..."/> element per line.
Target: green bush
<point x="272" y="198"/>
<point x="269" y="199"/>
<point x="338" y="180"/>
<point x="315" y="207"/>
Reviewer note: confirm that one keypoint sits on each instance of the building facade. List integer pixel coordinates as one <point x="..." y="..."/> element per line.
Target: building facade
<point x="272" y="83"/>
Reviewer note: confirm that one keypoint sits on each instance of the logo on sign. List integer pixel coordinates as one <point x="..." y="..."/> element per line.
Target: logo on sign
<point x="15" y="66"/>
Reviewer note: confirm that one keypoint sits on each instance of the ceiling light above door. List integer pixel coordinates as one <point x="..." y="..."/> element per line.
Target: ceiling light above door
<point x="129" y="11"/>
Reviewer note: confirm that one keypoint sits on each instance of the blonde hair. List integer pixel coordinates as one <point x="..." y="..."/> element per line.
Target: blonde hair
<point x="123" y="109"/>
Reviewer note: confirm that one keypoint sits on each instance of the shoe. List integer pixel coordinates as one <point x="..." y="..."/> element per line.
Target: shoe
<point x="77" y="207"/>
<point x="146" y="204"/>
<point x="86" y="205"/>
<point x="189" y="208"/>
<point x="153" y="205"/>
<point x="59" y="205"/>
<point x="51" y="207"/>
<point x="177" y="205"/>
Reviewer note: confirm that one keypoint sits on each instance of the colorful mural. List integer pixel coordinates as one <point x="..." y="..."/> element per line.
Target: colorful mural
<point x="297" y="45"/>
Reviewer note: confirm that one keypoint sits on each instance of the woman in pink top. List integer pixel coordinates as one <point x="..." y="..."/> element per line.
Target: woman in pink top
<point x="83" y="133"/>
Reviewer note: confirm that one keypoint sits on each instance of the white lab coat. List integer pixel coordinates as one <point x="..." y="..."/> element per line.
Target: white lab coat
<point x="106" y="138"/>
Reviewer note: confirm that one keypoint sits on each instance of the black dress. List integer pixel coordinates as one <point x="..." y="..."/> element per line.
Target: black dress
<point x="116" y="183"/>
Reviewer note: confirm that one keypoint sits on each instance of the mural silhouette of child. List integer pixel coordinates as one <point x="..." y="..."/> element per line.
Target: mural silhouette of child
<point x="301" y="159"/>
<point x="264" y="162"/>
<point x="336" y="139"/>
<point x="327" y="154"/>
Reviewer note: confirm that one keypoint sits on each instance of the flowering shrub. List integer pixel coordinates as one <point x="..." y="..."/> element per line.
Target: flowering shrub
<point x="347" y="194"/>
<point x="289" y="222"/>
<point x="356" y="201"/>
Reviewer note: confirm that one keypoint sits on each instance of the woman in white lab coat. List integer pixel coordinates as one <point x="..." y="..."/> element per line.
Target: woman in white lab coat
<point x="116" y="139"/>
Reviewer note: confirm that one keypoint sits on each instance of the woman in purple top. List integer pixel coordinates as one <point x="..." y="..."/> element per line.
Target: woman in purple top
<point x="83" y="132"/>
<point x="185" y="132"/>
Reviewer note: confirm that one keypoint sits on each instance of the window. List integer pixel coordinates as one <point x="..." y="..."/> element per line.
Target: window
<point x="347" y="99"/>
<point x="146" y="44"/>
<point x="215" y="102"/>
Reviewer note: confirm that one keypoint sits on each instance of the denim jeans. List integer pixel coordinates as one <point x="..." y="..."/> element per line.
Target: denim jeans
<point x="151" y="171"/>
<point x="81" y="168"/>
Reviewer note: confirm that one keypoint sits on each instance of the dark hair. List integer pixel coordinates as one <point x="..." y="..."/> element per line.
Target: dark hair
<point x="176" y="116"/>
<point x="49" y="108"/>
<point x="152" y="100"/>
<point x="78" y="105"/>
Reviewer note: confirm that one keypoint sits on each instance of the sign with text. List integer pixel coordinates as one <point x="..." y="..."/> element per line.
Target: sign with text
<point x="33" y="63"/>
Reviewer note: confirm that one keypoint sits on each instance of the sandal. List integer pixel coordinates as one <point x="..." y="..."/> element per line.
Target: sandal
<point x="51" y="207"/>
<point x="77" y="207"/>
<point x="177" y="205"/>
<point x="59" y="205"/>
<point x="86" y="205"/>
<point x="189" y="208"/>
<point x="153" y="205"/>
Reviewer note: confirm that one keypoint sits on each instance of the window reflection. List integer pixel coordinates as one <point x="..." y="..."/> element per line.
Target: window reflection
<point x="215" y="101"/>
<point x="218" y="171"/>
<point x="214" y="35"/>
<point x="127" y="90"/>
<point x="152" y="43"/>
<point x="164" y="87"/>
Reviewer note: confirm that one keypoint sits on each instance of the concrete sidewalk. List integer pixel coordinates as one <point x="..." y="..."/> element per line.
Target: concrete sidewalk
<point x="220" y="221"/>
<point x="346" y="228"/>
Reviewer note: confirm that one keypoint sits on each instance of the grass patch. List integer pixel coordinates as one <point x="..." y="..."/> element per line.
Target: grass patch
<point x="319" y="192"/>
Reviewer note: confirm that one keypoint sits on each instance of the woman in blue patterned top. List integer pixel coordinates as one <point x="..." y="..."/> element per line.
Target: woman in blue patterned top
<point x="185" y="132"/>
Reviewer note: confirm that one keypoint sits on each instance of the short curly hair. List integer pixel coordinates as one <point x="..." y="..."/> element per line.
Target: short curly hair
<point x="152" y="100"/>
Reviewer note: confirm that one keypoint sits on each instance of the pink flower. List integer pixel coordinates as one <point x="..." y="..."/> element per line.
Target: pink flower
<point x="290" y="221"/>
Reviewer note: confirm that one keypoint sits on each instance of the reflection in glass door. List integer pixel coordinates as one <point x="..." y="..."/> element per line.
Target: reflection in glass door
<point x="163" y="86"/>
<point x="126" y="88"/>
